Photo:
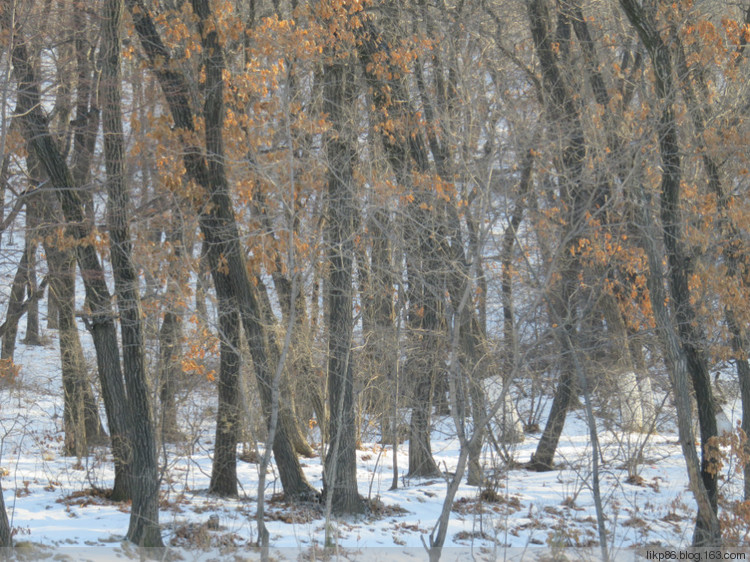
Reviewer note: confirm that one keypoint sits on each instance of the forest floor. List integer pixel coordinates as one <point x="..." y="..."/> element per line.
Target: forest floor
<point x="57" y="502"/>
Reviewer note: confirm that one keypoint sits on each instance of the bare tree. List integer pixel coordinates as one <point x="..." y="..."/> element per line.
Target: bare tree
<point x="144" y="515"/>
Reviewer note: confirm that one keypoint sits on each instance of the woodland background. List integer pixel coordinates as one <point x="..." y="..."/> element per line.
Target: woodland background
<point x="352" y="218"/>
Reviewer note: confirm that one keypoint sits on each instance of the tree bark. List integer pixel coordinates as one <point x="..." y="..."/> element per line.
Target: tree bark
<point x="30" y="247"/>
<point x="691" y="338"/>
<point x="144" y="515"/>
<point x="15" y="309"/>
<point x="340" y="467"/>
<point x="224" y="466"/>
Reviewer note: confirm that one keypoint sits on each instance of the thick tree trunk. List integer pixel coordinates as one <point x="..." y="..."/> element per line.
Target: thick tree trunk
<point x="144" y="515"/>
<point x="425" y="360"/>
<point x="340" y="463"/>
<point x="224" y="467"/>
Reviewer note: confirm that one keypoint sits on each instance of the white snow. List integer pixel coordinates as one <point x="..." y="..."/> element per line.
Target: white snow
<point x="52" y="505"/>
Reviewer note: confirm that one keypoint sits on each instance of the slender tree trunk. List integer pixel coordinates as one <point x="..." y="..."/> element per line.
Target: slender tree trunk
<point x="168" y="368"/>
<point x="170" y="338"/>
<point x="32" y="311"/>
<point x="62" y="283"/>
<point x="563" y="111"/>
<point x="390" y="97"/>
<point x="101" y="322"/>
<point x="691" y="338"/>
<point x="14" y="310"/>
<point x="677" y="366"/>
<point x="287" y="404"/>
<point x="81" y="413"/>
<point x="731" y="250"/>
<point x="217" y="221"/>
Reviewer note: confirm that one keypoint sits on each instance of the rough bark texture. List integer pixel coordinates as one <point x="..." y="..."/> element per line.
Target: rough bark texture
<point x="340" y="462"/>
<point x="423" y="363"/>
<point x="144" y="515"/>
<point x="224" y="466"/>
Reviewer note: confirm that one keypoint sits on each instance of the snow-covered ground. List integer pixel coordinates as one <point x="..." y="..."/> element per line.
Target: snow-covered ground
<point x="56" y="508"/>
<point x="52" y="502"/>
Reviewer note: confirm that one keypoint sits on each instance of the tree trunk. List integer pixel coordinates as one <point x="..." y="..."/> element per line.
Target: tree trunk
<point x="340" y="469"/>
<point x="169" y="371"/>
<point x="563" y="111"/>
<point x="62" y="283"/>
<point x="80" y="411"/>
<point x="170" y="339"/>
<point x="32" y="311"/>
<point x="217" y="221"/>
<point x="101" y="322"/>
<point x="224" y="466"/>
<point x="14" y="311"/>
<point x="691" y="338"/>
<point x="287" y="404"/>
<point x="144" y="515"/>
<point x="735" y="261"/>
<point x="6" y="538"/>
